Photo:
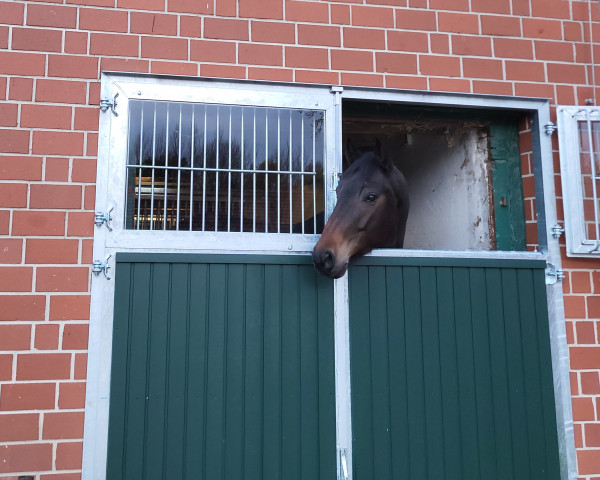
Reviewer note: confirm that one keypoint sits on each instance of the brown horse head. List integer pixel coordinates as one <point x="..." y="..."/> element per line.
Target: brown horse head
<point x="371" y="212"/>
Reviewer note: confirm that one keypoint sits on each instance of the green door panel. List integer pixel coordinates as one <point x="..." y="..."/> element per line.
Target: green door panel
<point x="451" y="370"/>
<point x="222" y="368"/>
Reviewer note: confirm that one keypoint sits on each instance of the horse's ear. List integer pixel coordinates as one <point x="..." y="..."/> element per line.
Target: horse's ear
<point x="384" y="160"/>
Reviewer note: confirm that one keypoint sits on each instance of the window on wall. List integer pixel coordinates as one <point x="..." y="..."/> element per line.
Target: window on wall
<point x="579" y="138"/>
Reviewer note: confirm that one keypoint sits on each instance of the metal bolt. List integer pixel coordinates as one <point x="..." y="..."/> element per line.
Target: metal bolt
<point x="589" y="101"/>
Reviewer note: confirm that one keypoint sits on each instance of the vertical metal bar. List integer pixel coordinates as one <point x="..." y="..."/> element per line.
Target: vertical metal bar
<point x="139" y="195"/>
<point x="204" y="178"/>
<point x="302" y="164"/>
<point x="229" y="178"/>
<point x="266" y="170"/>
<point x="290" y="174"/>
<point x="166" y="170"/>
<point x="243" y="167"/>
<point x="192" y="167"/>
<point x="314" y="177"/>
<point x="179" y="170"/>
<point x="217" y="172"/>
<point x="153" y="165"/>
<point x="278" y="170"/>
<point x="254" y="173"/>
<point x="594" y="190"/>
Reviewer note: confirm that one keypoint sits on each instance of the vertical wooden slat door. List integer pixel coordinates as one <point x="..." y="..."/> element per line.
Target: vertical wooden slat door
<point x="222" y="368"/>
<point x="451" y="370"/>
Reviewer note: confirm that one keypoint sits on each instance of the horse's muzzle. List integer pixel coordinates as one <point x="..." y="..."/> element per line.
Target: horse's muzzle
<point x="325" y="263"/>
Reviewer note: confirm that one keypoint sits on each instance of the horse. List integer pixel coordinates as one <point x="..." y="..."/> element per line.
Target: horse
<point x="371" y="211"/>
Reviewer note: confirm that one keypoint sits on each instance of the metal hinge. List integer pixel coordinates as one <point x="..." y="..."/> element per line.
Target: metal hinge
<point x="557" y="231"/>
<point x="101" y="217"/>
<point x="553" y="274"/>
<point x="105" y="104"/>
<point x="550" y="128"/>
<point x="99" y="266"/>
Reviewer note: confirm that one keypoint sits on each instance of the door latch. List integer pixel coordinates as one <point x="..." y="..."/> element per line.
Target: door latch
<point x="99" y="266"/>
<point x="101" y="217"/>
<point x="557" y="231"/>
<point x="105" y="104"/>
<point x="553" y="274"/>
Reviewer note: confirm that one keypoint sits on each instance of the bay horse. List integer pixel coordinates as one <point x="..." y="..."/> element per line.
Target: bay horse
<point x="371" y="211"/>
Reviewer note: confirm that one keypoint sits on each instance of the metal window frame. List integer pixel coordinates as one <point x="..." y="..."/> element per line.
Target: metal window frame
<point x="156" y="87"/>
<point x="568" y="118"/>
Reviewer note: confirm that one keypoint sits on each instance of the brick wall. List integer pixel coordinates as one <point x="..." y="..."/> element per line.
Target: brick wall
<point x="51" y="54"/>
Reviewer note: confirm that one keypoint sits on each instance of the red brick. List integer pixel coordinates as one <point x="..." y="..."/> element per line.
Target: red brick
<point x="46" y="336"/>
<point x="76" y="42"/>
<point x="253" y="54"/>
<point x="585" y="332"/>
<point x="530" y="71"/>
<point x="27" y="396"/>
<point x="166" y="48"/>
<point x="456" y="5"/>
<point x="588" y="462"/>
<point x="316" y="76"/>
<point x="20" y="88"/>
<point x="51" y="251"/>
<point x="572" y="31"/>
<point x="550" y="9"/>
<point x="10" y="250"/>
<point x="71" y="66"/>
<point x="482" y="68"/>
<point x="103" y="20"/>
<point x="440" y="43"/>
<point x="37" y="39"/>
<point x="81" y="224"/>
<point x="158" y="5"/>
<point x="24" y="64"/>
<point x="114" y="44"/>
<point x="499" y="25"/>
<point x="498" y="6"/>
<point x="585" y="358"/>
<point x="171" y="68"/>
<point x="38" y="223"/>
<point x="406" y="82"/>
<point x="14" y="141"/>
<point x="57" y="143"/>
<point x="212" y="51"/>
<point x="226" y="29"/>
<point x="226" y="8"/>
<point x="458" y="22"/>
<point x="19" y="427"/>
<point x="25" y="457"/>
<point x="261" y="9"/>
<point x="190" y="26"/>
<point x="590" y="384"/>
<point x="4" y="222"/>
<point x="271" y="74"/>
<point x="319" y="35"/>
<point x="8" y="115"/>
<point x="353" y="60"/>
<point x="513" y="48"/>
<point x="46" y="116"/>
<point x="62" y="425"/>
<point x="303" y="11"/>
<point x="580" y="282"/>
<point x="75" y="337"/>
<point x="153" y="23"/>
<point x="306" y="57"/>
<point x="87" y="248"/>
<point x="93" y="3"/>
<point x="89" y="195"/>
<point x="272" y="32"/>
<point x="469" y="45"/>
<point x="408" y="19"/>
<point x="69" y="455"/>
<point x="56" y="169"/>
<point x="3" y="37"/>
<point x="15" y="337"/>
<point x="582" y="53"/>
<point x="80" y="368"/>
<point x="51" y="16"/>
<point x="538" y="28"/>
<point x="124" y="64"/>
<point x="190" y="6"/>
<point x="222" y="71"/>
<point x="61" y="476"/>
<point x="367" y="16"/>
<point x="43" y="366"/>
<point x="60" y="91"/>
<point x="13" y="195"/>
<point x="11" y="13"/>
<point x="6" y="367"/>
<point x="86" y="118"/>
<point x="16" y="279"/>
<point x="450" y="85"/>
<point x="439" y="65"/>
<point x="593" y="306"/>
<point x="565" y="73"/>
<point x="362" y="79"/>
<point x="583" y="409"/>
<point x="373" y="39"/>
<point x="407" y="41"/>
<point x="70" y="307"/>
<point x="340" y="14"/>
<point x="62" y="279"/>
<point x="71" y="395"/>
<point x="395" y="62"/>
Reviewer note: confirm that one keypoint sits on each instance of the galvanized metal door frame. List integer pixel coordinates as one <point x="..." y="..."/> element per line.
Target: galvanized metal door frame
<point x="106" y="244"/>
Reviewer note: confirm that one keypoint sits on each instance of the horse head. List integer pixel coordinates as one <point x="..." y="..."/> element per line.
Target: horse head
<point x="371" y="212"/>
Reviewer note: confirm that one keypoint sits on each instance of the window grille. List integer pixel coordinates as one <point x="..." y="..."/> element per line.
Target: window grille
<point x="579" y="136"/>
<point x="224" y="168"/>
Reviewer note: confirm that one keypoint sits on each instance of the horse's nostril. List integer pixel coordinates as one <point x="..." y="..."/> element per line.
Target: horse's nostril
<point x="328" y="259"/>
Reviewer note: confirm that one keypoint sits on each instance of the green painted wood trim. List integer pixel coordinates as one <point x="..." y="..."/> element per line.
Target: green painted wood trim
<point x="509" y="208"/>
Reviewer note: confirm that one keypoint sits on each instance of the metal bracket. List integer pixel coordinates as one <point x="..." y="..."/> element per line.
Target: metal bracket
<point x="557" y="231"/>
<point x="99" y="266"/>
<point x="105" y="104"/>
<point x="553" y="274"/>
<point x="101" y="217"/>
<point x="550" y="128"/>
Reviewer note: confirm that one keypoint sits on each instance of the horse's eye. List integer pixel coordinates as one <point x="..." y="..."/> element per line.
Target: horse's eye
<point x="371" y="197"/>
